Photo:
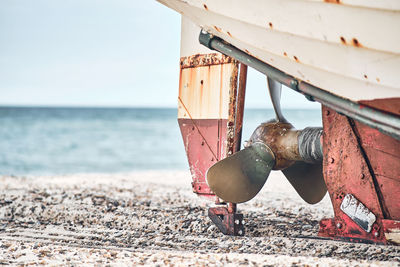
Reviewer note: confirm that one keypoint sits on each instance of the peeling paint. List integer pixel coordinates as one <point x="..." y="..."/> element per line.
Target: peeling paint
<point x="356" y="43"/>
<point x="200" y="60"/>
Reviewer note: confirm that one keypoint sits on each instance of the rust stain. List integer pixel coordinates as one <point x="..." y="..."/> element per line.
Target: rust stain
<point x="240" y="106"/>
<point x="356" y="43"/>
<point x="285" y="54"/>
<point x="205" y="7"/>
<point x="271" y="25"/>
<point x="221" y="81"/>
<point x="217" y="28"/>
<point x="204" y="60"/>
<point x="229" y="34"/>
<point x="247" y="51"/>
<point x="180" y="81"/>
<point x="378" y="80"/>
<point x="365" y="76"/>
<point x="332" y="1"/>
<point x="295" y="58"/>
<point x="202" y="89"/>
<point x="233" y="87"/>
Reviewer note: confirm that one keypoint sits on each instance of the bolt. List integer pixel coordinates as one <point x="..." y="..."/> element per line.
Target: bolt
<point x="376" y="234"/>
<point x="362" y="176"/>
<point x="294" y="84"/>
<point x="243" y="222"/>
<point x="331" y="160"/>
<point x="327" y="113"/>
<point x="338" y="225"/>
<point x="240" y="232"/>
<point x="236" y="221"/>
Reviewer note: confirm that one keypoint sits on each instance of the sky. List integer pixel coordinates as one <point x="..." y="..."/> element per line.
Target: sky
<point x="120" y="53"/>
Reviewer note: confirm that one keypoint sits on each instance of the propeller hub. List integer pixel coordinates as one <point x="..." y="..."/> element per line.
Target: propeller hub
<point x="282" y="139"/>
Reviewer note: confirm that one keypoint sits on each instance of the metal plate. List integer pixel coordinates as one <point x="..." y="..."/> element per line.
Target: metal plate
<point x="358" y="212"/>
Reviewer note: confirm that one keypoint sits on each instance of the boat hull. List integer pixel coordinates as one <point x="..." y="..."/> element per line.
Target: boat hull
<point x="348" y="50"/>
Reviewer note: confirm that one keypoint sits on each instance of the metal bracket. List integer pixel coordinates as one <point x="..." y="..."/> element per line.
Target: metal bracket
<point x="205" y="39"/>
<point x="228" y="223"/>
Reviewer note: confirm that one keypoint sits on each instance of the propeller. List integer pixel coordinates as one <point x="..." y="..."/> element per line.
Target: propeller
<point x="273" y="145"/>
<point x="308" y="181"/>
<point x="236" y="181"/>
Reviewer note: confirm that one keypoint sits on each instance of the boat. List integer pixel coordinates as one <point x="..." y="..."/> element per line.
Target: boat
<point x="341" y="53"/>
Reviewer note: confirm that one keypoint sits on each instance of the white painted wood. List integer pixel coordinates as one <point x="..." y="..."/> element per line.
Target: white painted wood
<point x="350" y="49"/>
<point x="204" y="91"/>
<point x="190" y="39"/>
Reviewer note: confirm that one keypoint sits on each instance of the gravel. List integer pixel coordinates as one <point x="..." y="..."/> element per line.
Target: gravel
<point x="153" y="218"/>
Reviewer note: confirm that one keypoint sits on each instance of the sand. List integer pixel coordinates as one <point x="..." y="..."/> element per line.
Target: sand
<point x="153" y="218"/>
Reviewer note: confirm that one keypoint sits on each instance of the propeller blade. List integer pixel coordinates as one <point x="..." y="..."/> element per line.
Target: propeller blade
<point x="275" y="91"/>
<point x="240" y="177"/>
<point x="308" y="180"/>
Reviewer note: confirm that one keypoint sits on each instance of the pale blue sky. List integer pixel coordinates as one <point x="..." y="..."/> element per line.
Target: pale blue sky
<point x="98" y="53"/>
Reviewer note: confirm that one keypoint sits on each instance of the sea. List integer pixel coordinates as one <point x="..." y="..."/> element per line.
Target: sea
<point x="58" y="140"/>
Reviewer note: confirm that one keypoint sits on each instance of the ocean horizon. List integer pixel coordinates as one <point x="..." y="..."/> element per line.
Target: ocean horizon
<point x="66" y="140"/>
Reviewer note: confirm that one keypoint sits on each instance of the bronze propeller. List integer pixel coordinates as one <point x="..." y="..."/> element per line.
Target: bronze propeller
<point x="274" y="145"/>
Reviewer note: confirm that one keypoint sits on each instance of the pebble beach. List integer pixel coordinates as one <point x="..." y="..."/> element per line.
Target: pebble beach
<point x="152" y="218"/>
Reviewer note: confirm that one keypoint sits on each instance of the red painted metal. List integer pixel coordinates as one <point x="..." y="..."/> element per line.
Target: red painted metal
<point x="204" y="141"/>
<point x="230" y="223"/>
<point x="383" y="153"/>
<point x="361" y="161"/>
<point x="389" y="105"/>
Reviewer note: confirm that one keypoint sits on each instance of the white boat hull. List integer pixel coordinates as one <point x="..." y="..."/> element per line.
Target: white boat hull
<point x="347" y="49"/>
